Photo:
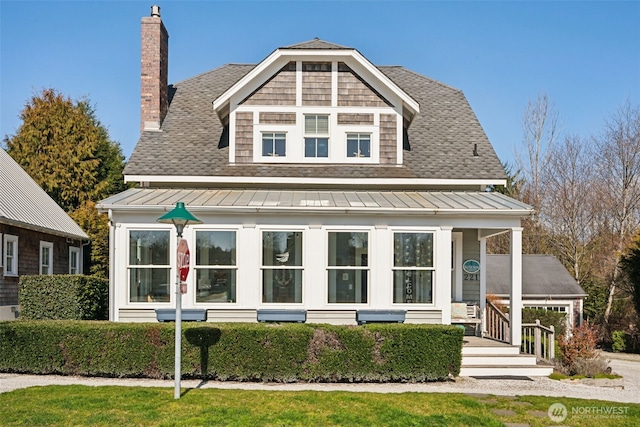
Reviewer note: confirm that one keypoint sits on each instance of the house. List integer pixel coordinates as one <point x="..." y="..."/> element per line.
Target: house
<point x="546" y="284"/>
<point x="325" y="184"/>
<point x="37" y="235"/>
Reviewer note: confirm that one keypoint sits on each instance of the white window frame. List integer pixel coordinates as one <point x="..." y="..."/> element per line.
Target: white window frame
<point x="9" y="238"/>
<point x="273" y="155"/>
<point x="74" y="251"/>
<point x="315" y="134"/>
<point x="301" y="267"/>
<point x="357" y="158"/>
<point x="170" y="266"/>
<point x="215" y="266"/>
<point x="366" y="268"/>
<point x="49" y="247"/>
<point x="432" y="268"/>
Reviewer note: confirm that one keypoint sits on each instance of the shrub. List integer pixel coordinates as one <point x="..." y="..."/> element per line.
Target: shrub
<point x="619" y="342"/>
<point x="579" y="351"/>
<point x="233" y="351"/>
<point x="69" y="297"/>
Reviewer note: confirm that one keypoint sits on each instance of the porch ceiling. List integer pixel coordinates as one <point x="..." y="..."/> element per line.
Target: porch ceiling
<point x="321" y="201"/>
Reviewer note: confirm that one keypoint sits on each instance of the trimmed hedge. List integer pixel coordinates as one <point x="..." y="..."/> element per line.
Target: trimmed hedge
<point x="234" y="351"/>
<point x="68" y="297"/>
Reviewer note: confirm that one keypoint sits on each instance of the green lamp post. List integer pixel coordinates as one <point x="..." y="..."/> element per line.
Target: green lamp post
<point x="180" y="217"/>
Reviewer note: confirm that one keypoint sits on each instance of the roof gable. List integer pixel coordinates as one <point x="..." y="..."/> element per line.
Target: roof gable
<point x="25" y="204"/>
<point x="312" y="51"/>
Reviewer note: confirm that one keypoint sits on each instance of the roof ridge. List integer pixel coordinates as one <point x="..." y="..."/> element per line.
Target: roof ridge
<point x="211" y="71"/>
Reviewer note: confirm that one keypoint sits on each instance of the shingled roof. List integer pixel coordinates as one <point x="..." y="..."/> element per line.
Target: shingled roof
<point x="543" y="276"/>
<point x="442" y="136"/>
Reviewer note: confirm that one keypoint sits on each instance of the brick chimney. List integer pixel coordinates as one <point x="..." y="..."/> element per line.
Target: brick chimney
<point x="154" y="71"/>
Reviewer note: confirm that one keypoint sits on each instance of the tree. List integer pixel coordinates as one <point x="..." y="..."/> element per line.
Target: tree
<point x="67" y="151"/>
<point x="540" y="129"/>
<point x="570" y="205"/>
<point x="630" y="266"/>
<point x="96" y="225"/>
<point x="619" y="164"/>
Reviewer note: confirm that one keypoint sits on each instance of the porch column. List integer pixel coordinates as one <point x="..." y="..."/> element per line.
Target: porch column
<point x="442" y="292"/>
<point x="483" y="282"/>
<point x="515" y="311"/>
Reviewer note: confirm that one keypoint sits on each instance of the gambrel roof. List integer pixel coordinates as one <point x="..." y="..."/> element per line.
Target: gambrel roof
<point x="439" y="147"/>
<point x="24" y="204"/>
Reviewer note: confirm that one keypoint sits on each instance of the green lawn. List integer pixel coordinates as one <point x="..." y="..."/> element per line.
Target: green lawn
<point x="138" y="406"/>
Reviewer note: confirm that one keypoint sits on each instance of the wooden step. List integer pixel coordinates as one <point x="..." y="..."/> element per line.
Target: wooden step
<point x="508" y="370"/>
<point x="499" y="360"/>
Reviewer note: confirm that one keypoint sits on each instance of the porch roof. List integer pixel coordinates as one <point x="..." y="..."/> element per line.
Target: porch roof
<point x="320" y="201"/>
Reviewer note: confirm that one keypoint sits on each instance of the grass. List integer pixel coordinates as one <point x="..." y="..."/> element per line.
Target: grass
<point x="137" y="406"/>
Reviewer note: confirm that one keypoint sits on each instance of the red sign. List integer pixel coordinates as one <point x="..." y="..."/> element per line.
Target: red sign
<point x="183" y="259"/>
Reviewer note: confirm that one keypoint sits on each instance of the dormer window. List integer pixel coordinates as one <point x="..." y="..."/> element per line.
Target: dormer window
<point x="358" y="145"/>
<point x="316" y="136"/>
<point x="274" y="144"/>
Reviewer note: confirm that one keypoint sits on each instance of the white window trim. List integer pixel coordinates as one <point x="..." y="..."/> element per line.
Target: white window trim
<point x="213" y="267"/>
<point x="75" y="250"/>
<point x="14" y="261"/>
<point x="417" y="230"/>
<point x="301" y="267"/>
<point x="366" y="268"/>
<point x="49" y="246"/>
<point x="171" y="266"/>
<point x="362" y="159"/>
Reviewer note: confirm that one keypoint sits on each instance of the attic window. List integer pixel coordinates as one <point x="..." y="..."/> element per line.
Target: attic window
<point x="316" y="66"/>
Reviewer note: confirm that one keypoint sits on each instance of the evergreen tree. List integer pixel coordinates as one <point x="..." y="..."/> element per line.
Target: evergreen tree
<point x="67" y="151"/>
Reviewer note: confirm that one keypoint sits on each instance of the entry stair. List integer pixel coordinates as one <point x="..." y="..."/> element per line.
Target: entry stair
<point x="488" y="358"/>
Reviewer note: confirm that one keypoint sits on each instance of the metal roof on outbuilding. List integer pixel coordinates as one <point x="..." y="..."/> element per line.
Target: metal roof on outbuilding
<point x="24" y="204"/>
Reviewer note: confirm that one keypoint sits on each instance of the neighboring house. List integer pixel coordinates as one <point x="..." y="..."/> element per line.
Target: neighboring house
<point x="325" y="184"/>
<point x="546" y="284"/>
<point x="37" y="235"/>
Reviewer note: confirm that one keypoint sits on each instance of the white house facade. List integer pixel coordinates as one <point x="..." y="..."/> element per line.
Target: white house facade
<point x="325" y="184"/>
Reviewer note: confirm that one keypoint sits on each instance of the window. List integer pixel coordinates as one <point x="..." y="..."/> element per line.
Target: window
<point x="274" y="144"/>
<point x="348" y="267"/>
<point x="10" y="255"/>
<point x="316" y="136"/>
<point x="46" y="258"/>
<point x="358" y="145"/>
<point x="149" y="266"/>
<point x="215" y="266"/>
<point x="74" y="260"/>
<point x="413" y="268"/>
<point x="282" y="267"/>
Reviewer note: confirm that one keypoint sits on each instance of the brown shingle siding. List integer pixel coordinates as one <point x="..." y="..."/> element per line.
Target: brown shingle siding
<point x="355" y="119"/>
<point x="244" y="137"/>
<point x="388" y="139"/>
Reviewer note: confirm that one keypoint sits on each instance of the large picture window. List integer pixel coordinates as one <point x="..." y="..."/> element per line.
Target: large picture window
<point x="215" y="266"/>
<point x="149" y="266"/>
<point x="10" y="255"/>
<point x="348" y="267"/>
<point x="413" y="268"/>
<point x="282" y="267"/>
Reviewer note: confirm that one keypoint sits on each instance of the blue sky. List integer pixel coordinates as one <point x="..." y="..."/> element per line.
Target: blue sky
<point x="584" y="55"/>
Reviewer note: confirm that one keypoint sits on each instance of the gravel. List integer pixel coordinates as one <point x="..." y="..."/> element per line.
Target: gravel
<point x="625" y="390"/>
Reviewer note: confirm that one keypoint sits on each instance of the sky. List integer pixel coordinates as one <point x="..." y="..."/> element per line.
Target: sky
<point x="502" y="54"/>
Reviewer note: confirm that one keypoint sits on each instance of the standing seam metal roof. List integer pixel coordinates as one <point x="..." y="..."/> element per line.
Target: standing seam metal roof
<point x="24" y="203"/>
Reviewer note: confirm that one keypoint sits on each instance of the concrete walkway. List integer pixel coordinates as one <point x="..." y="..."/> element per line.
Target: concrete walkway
<point x="625" y="390"/>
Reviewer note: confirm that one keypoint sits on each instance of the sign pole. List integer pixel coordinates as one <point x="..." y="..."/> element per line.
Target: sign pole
<point x="178" y="344"/>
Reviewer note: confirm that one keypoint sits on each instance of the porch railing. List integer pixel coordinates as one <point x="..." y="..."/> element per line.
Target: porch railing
<point x="539" y="340"/>
<point x="496" y="323"/>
